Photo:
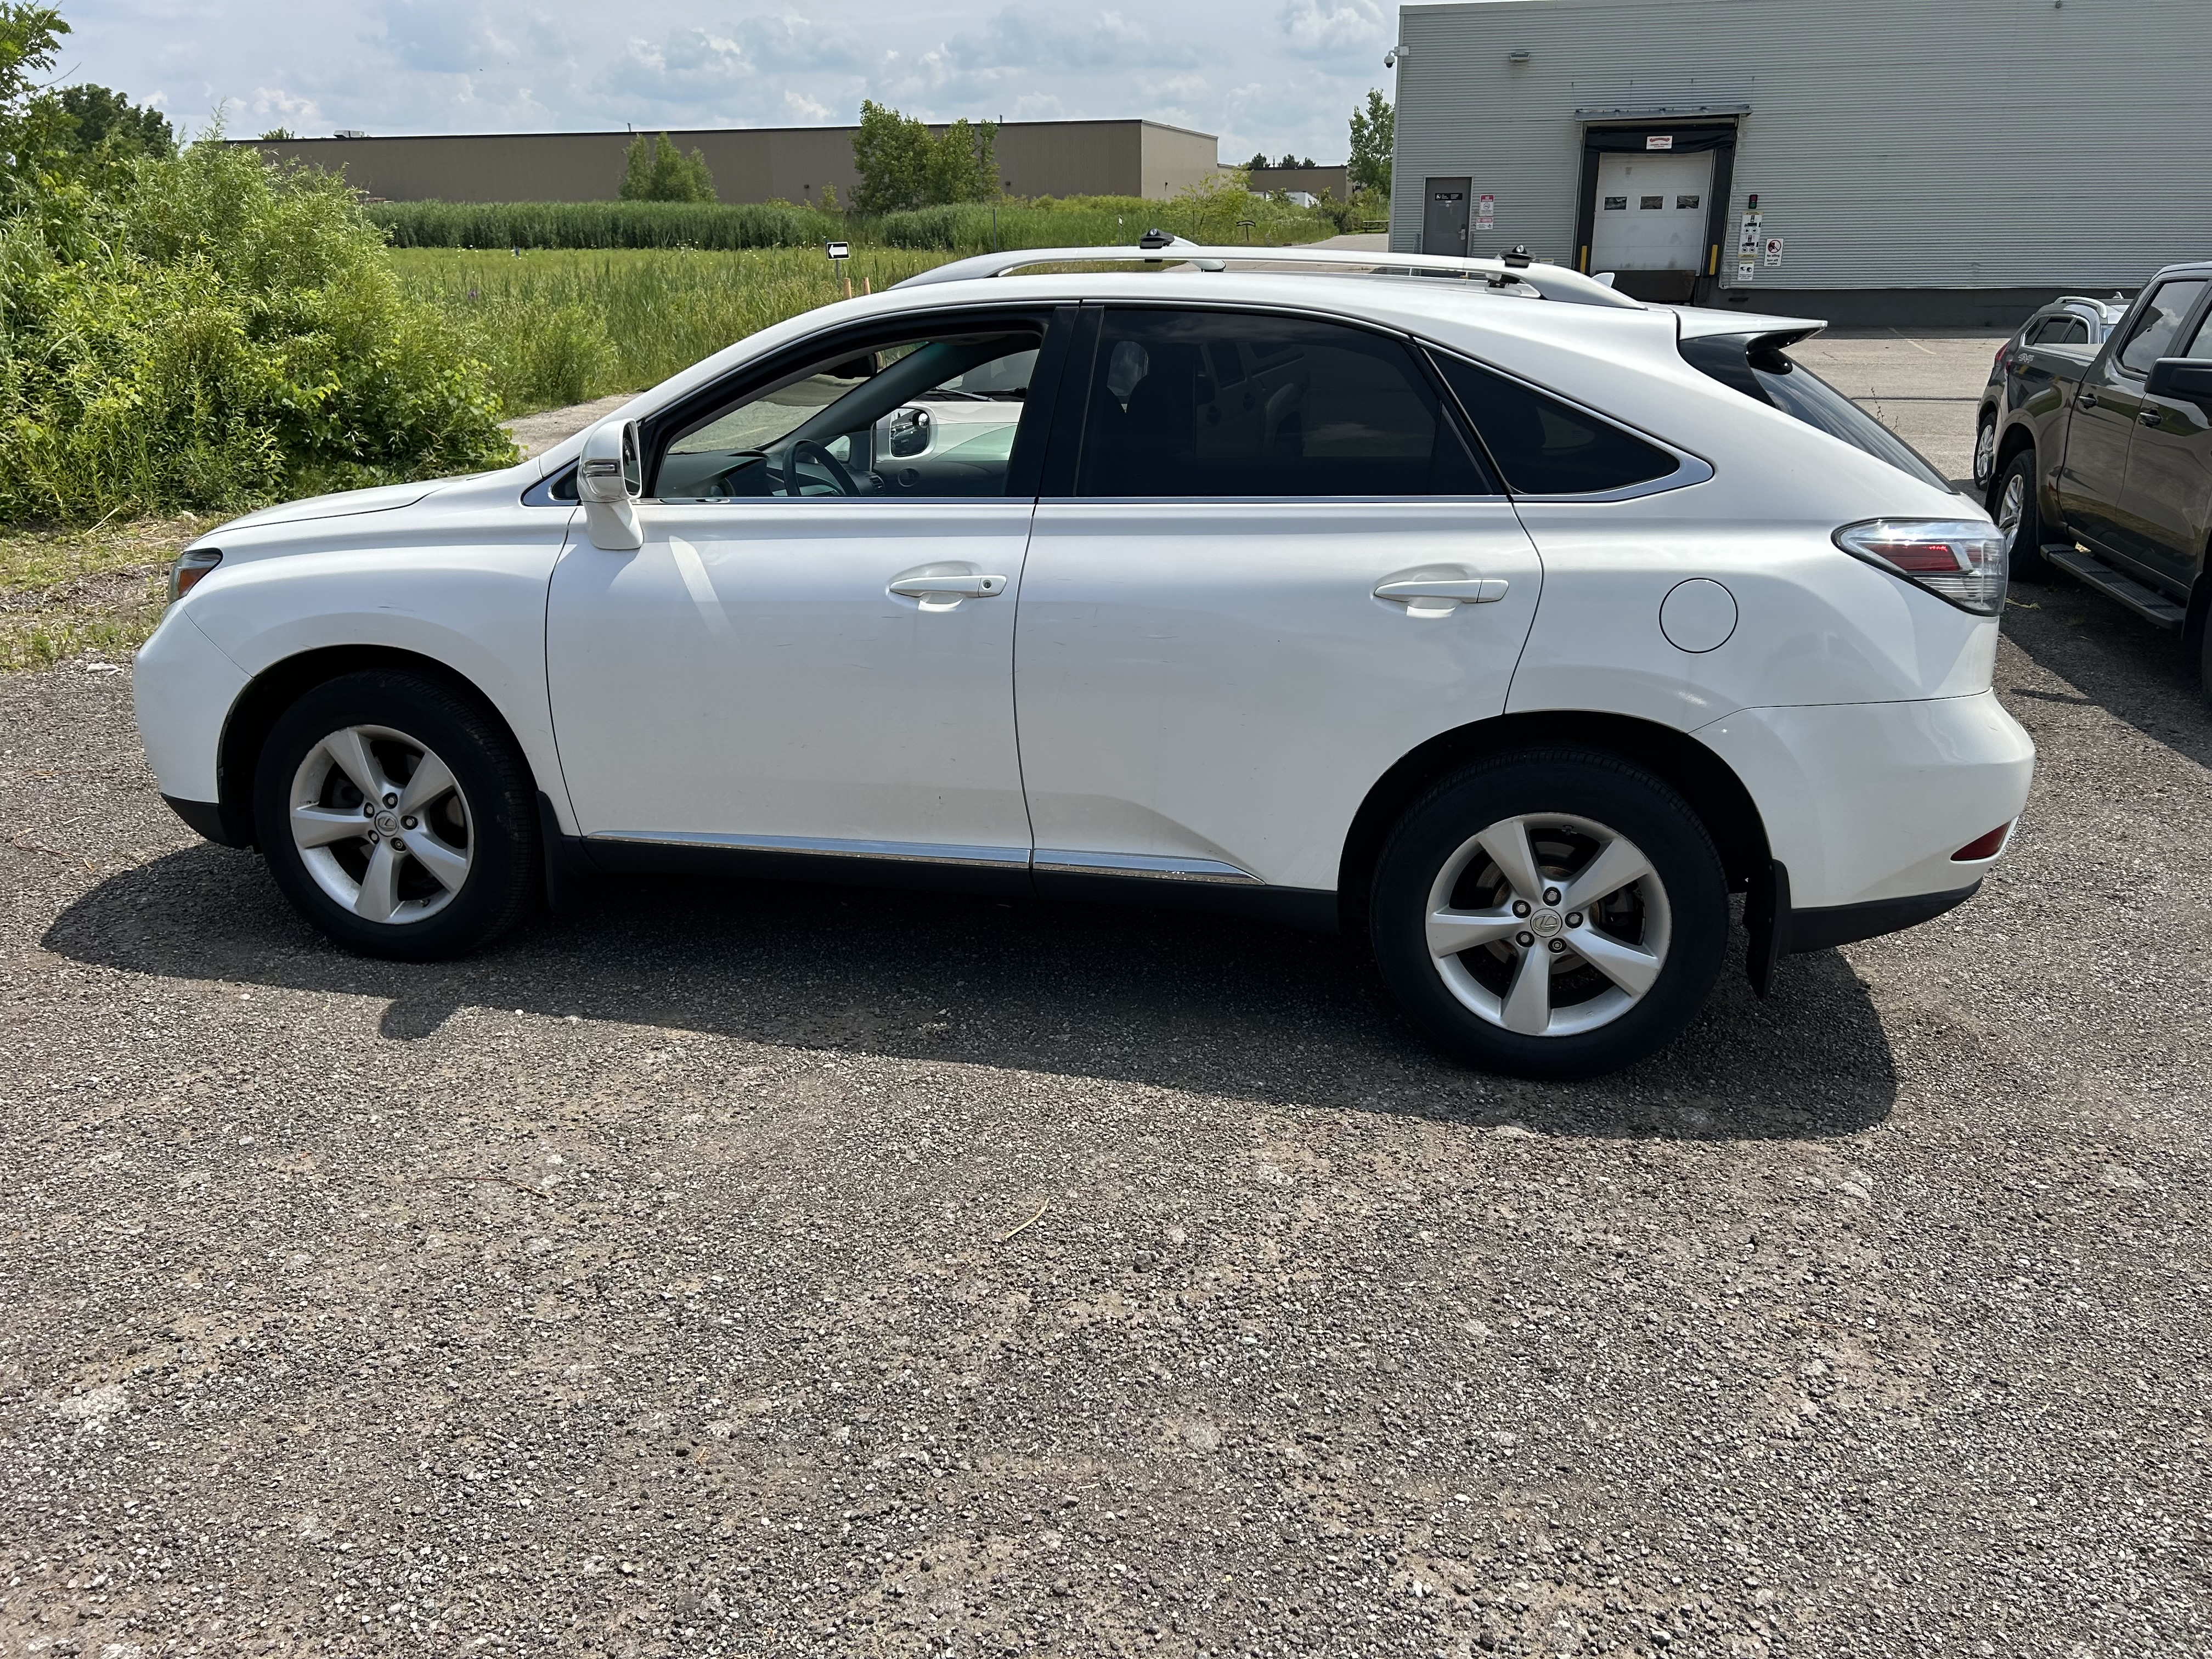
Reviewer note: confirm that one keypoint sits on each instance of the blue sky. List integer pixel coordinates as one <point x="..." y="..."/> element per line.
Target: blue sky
<point x="1263" y="73"/>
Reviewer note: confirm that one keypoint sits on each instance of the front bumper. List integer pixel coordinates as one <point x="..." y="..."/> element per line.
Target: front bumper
<point x="1865" y="803"/>
<point x="183" y="688"/>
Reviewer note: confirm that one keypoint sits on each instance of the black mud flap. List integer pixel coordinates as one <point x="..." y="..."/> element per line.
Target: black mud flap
<point x="1766" y="921"/>
<point x="567" y="865"/>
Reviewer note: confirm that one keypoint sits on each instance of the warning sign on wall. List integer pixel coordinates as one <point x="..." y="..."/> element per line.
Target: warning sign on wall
<point x="1774" y="249"/>
<point x="1485" y="212"/>
<point x="1744" y="270"/>
<point x="1659" y="140"/>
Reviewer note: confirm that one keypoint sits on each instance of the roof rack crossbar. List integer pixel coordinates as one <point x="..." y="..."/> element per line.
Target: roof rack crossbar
<point x="1551" y="281"/>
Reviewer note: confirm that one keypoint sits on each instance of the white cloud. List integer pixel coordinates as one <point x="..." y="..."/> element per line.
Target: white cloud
<point x="1325" y="28"/>
<point x="805" y="110"/>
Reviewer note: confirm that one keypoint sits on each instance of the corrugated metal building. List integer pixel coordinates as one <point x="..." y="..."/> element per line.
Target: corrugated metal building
<point x="750" y="164"/>
<point x="1952" y="163"/>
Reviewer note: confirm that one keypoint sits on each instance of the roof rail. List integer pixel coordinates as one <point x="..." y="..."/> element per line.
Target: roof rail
<point x="1550" y="282"/>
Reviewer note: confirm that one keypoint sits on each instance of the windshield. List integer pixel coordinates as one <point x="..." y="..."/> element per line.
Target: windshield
<point x="1754" y="364"/>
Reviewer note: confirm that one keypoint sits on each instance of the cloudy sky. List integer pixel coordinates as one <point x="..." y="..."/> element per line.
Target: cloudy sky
<point x="1273" y="73"/>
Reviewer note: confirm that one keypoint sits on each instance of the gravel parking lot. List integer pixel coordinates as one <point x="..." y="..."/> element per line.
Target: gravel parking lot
<point x="795" y="1270"/>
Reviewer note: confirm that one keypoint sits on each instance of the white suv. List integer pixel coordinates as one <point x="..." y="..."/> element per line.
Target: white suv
<point x="1466" y="604"/>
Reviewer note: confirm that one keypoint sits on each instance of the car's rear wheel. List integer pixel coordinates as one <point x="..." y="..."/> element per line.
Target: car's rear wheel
<point x="2012" y="504"/>
<point x="1985" y="454"/>
<point x="1550" y="913"/>
<point x="397" y="816"/>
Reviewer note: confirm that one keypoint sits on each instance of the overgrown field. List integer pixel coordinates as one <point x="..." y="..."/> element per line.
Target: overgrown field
<point x="1219" y="215"/>
<point x="562" y="327"/>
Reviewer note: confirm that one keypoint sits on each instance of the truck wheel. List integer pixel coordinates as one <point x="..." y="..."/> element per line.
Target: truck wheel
<point x="1552" y="913"/>
<point x="397" y="816"/>
<point x="2012" y="504"/>
<point x="1985" y="454"/>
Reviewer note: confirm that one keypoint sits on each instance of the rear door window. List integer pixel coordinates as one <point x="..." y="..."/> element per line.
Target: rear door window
<point x="2161" y="319"/>
<point x="1548" y="447"/>
<point x="1244" y="403"/>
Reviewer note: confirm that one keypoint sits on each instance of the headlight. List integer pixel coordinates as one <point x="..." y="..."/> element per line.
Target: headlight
<point x="184" y="575"/>
<point x="1962" y="560"/>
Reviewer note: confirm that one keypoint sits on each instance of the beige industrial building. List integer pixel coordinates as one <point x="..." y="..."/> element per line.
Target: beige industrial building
<point x="750" y="164"/>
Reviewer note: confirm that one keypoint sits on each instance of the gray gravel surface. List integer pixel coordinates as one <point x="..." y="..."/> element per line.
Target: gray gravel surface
<point x="788" y="1271"/>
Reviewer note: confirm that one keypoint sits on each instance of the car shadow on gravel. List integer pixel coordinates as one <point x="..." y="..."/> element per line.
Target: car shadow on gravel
<point x="1175" y="1000"/>
<point x="2120" y="663"/>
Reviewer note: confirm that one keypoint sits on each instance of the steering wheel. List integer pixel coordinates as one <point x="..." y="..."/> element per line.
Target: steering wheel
<point x="807" y="450"/>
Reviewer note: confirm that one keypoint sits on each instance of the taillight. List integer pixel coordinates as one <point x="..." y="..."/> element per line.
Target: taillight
<point x="1984" y="846"/>
<point x="1999" y="362"/>
<point x="185" y="574"/>
<point x="1960" y="560"/>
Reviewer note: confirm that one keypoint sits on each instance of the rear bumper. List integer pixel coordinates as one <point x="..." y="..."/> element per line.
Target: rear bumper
<point x="1865" y="803"/>
<point x="1840" y="924"/>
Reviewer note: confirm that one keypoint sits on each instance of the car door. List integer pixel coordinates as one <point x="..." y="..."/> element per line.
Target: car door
<point x="2166" y="506"/>
<point x="812" y="649"/>
<point x="1270" y="567"/>
<point x="2091" y="480"/>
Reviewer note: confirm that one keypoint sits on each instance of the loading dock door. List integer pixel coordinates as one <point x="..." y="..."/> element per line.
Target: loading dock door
<point x="1648" y="221"/>
<point x="1443" y="215"/>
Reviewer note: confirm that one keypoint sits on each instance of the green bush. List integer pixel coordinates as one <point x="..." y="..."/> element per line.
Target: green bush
<point x="1214" y="213"/>
<point x="504" y="225"/>
<point x="209" y="331"/>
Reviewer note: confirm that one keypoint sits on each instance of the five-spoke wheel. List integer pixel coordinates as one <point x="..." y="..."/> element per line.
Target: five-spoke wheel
<point x="381" y="825"/>
<point x="1550" y="913"/>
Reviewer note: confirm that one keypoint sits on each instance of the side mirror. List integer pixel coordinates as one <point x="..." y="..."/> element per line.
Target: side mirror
<point x="2185" y="380"/>
<point x="609" y="478"/>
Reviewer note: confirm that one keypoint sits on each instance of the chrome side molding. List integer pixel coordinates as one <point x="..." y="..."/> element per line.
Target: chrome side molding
<point x="1059" y="860"/>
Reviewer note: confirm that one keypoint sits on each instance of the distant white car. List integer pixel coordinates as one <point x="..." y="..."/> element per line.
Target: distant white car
<point x="1470" y="605"/>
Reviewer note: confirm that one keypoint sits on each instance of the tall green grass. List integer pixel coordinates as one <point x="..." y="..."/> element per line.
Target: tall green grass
<point x="1218" y="217"/>
<point x="507" y="225"/>
<point x="1210" y="216"/>
<point x="562" y="327"/>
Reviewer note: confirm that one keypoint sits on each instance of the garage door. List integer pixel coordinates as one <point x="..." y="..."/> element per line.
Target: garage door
<point x="1650" y="216"/>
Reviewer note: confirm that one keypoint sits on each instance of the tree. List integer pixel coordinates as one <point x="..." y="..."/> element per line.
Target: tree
<point x="1259" y="159"/>
<point x="903" y="164"/>
<point x="278" y="136"/>
<point x="1374" y="135"/>
<point x="104" y="121"/>
<point x="34" y="132"/>
<point x="654" y="170"/>
<point x="1291" y="160"/>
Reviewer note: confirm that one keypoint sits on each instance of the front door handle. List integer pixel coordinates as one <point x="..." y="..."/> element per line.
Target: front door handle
<point x="1473" y="590"/>
<point x="942" y="588"/>
<point x="2150" y="417"/>
<point x="2087" y="400"/>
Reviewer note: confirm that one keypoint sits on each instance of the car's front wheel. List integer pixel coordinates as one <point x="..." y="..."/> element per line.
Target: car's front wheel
<point x="397" y="816"/>
<point x="2013" y="505"/>
<point x="1550" y="913"/>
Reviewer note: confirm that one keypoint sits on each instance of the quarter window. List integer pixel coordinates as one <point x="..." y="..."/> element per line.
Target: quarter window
<point x="2161" y="320"/>
<point x="934" y="416"/>
<point x="1230" y="404"/>
<point x="1546" y="447"/>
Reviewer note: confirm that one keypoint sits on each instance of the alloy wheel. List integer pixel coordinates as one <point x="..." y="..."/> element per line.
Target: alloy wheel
<point x="1985" y="453"/>
<point x="2011" y="507"/>
<point x="1547" y="925"/>
<point x="381" y="824"/>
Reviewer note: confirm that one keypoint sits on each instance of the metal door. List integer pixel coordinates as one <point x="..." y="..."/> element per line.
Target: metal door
<point x="1652" y="212"/>
<point x="1443" y="215"/>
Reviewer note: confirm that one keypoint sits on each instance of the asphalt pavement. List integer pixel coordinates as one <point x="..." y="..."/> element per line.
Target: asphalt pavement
<point x="790" y="1271"/>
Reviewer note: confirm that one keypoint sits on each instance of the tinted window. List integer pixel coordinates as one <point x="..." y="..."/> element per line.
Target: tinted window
<point x="2061" y="330"/>
<point x="1756" y="366"/>
<point x="934" y="417"/>
<point x="1195" y="403"/>
<point x="2202" y="345"/>
<point x="2161" y="321"/>
<point x="1546" y="447"/>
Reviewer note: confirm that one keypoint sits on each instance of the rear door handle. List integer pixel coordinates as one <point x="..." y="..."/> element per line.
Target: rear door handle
<point x="2150" y="417"/>
<point x="1475" y="590"/>
<point x="938" y="587"/>
<point x="2087" y="400"/>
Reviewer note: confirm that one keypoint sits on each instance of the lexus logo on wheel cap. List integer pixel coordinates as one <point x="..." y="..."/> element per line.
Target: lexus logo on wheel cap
<point x="1545" y="923"/>
<point x="389" y="823"/>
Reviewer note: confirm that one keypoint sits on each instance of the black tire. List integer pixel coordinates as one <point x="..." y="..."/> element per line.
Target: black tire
<point x="2204" y="644"/>
<point x="1686" y="918"/>
<point x="1985" y="446"/>
<point x="2027" y="562"/>
<point x="495" y="821"/>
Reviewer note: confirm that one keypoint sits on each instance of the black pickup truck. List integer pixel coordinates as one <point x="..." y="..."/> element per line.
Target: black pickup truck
<point x="2104" y="459"/>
